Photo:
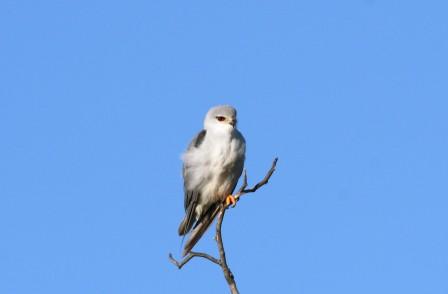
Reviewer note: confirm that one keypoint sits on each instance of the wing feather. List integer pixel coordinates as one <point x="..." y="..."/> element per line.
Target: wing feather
<point x="191" y="196"/>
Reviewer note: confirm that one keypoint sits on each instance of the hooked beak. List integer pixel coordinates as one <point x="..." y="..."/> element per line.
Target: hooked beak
<point x="233" y="123"/>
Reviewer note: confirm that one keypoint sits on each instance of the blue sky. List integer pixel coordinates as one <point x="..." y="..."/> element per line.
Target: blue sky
<point x="98" y="99"/>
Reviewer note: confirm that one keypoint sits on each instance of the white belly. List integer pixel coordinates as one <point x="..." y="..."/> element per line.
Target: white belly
<point x="220" y="174"/>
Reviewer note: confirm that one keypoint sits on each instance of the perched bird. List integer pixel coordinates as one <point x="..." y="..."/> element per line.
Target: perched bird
<point x="212" y="165"/>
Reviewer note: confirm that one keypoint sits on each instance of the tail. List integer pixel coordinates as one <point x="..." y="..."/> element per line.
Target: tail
<point x="188" y="221"/>
<point x="185" y="226"/>
<point x="201" y="226"/>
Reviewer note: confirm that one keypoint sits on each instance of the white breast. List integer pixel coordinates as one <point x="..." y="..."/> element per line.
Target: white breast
<point x="223" y="154"/>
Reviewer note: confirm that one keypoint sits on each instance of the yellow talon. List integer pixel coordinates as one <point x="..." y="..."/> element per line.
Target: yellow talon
<point x="230" y="200"/>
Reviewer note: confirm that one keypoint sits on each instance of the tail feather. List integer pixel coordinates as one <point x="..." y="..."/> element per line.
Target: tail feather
<point x="189" y="219"/>
<point x="201" y="226"/>
<point x="186" y="224"/>
<point x="183" y="227"/>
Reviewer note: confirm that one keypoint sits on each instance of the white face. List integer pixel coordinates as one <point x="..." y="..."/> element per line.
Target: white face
<point x="226" y="120"/>
<point x="221" y="118"/>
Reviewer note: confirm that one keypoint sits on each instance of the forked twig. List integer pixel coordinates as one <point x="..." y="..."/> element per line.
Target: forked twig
<point x="263" y="182"/>
<point x="190" y="256"/>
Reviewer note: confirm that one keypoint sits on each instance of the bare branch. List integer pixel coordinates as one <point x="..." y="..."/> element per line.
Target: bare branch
<point x="222" y="254"/>
<point x="190" y="256"/>
<point x="263" y="182"/>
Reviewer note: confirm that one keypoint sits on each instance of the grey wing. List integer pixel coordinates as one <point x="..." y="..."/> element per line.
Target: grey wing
<point x="239" y="163"/>
<point x="237" y="171"/>
<point x="191" y="196"/>
<point x="187" y="169"/>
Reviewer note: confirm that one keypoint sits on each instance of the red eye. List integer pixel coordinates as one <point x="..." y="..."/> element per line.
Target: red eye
<point x="221" y="118"/>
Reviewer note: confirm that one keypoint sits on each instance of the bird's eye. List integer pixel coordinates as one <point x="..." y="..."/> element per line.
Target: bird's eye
<point x="221" y="118"/>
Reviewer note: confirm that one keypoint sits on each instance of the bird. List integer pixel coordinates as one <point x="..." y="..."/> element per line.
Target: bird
<point x="212" y="165"/>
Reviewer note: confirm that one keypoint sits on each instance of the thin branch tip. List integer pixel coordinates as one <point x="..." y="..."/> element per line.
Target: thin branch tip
<point x="174" y="261"/>
<point x="190" y="256"/>
<point x="263" y="182"/>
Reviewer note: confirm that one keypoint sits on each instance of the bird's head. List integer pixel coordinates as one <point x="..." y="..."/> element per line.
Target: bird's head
<point x="221" y="118"/>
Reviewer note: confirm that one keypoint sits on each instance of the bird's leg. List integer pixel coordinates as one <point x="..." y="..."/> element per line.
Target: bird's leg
<point x="230" y="200"/>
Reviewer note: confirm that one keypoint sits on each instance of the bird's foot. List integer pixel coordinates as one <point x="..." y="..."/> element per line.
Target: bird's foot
<point x="230" y="200"/>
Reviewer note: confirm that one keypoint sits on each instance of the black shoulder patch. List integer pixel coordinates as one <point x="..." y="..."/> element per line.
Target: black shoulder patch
<point x="200" y="138"/>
